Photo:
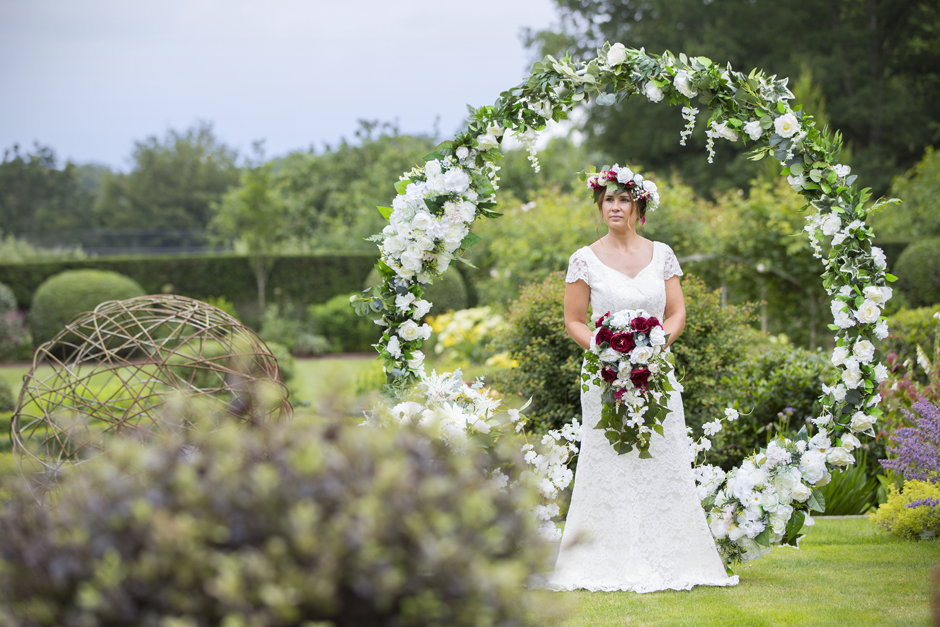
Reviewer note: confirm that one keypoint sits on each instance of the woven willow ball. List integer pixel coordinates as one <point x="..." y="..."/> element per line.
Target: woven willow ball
<point x="140" y="366"/>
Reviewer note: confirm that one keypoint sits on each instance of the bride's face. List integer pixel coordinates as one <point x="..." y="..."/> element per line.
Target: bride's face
<point x="618" y="210"/>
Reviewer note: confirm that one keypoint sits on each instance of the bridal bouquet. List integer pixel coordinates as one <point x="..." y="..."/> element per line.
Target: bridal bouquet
<point x="629" y="361"/>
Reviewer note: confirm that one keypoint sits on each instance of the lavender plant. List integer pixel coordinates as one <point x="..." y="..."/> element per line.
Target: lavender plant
<point x="916" y="451"/>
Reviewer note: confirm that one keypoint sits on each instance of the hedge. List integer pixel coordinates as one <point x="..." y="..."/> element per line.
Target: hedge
<point x="918" y="269"/>
<point x="304" y="279"/>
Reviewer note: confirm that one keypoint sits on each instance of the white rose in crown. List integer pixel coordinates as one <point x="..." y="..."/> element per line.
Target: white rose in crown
<point x="650" y="186"/>
<point x="878" y="294"/>
<point x="653" y="92"/>
<point x="683" y="83"/>
<point x="754" y="130"/>
<point x="869" y="312"/>
<point x="830" y="225"/>
<point x="787" y="125"/>
<point x="861" y="422"/>
<point x="617" y="54"/>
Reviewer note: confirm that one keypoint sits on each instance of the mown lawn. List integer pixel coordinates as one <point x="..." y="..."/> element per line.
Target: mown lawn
<point x="847" y="572"/>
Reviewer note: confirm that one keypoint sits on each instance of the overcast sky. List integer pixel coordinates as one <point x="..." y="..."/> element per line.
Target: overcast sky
<point x="89" y="77"/>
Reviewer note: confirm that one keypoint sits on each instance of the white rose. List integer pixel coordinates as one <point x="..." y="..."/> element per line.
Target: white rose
<point x="653" y="92"/>
<point x="422" y="221"/>
<point x="830" y="225"/>
<point x="412" y="259"/>
<point x="881" y="373"/>
<point x="609" y="355"/>
<point x="641" y="354"/>
<point x="852" y="378"/>
<point x="416" y="361"/>
<point x="838" y="238"/>
<point x="442" y="263"/>
<point x="864" y="351"/>
<point x="403" y="302"/>
<point x="422" y="307"/>
<point x="617" y="54"/>
<point x="878" y="294"/>
<point x="813" y="465"/>
<point x="731" y="414"/>
<point x="838" y="355"/>
<point x="861" y="421"/>
<point x="869" y="312"/>
<point x="649" y="186"/>
<point x="432" y="168"/>
<point x="840" y="457"/>
<point x="495" y="130"/>
<point x="850" y="442"/>
<point x="683" y="83"/>
<point x="796" y="180"/>
<point x="462" y="152"/>
<point x="842" y="171"/>
<point x="801" y="492"/>
<point x="753" y="130"/>
<point x="408" y="331"/>
<point x="456" y="180"/>
<point x="722" y="130"/>
<point x="394" y="347"/>
<point x="881" y="329"/>
<point x="487" y="142"/>
<point x="879" y="256"/>
<point x="838" y="393"/>
<point x="787" y="125"/>
<point x="657" y="336"/>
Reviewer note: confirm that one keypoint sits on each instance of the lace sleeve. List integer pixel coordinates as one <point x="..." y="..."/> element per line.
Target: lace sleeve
<point x="670" y="265"/>
<point x="578" y="269"/>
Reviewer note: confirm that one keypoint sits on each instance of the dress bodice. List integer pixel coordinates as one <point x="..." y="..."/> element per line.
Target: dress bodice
<point x="612" y="290"/>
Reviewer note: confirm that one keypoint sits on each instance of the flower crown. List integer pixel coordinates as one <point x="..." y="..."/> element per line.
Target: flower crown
<point x="619" y="179"/>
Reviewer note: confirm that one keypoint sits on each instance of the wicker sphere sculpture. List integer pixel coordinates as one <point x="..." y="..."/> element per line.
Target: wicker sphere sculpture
<point x="140" y="366"/>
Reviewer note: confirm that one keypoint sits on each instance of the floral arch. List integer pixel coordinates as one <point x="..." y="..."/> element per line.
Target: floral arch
<point x="430" y="218"/>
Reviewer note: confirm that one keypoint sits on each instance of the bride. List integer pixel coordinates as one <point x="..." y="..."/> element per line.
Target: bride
<point x="633" y="524"/>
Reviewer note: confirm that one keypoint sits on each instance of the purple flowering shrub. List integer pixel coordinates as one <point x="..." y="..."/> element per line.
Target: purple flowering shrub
<point x="916" y="450"/>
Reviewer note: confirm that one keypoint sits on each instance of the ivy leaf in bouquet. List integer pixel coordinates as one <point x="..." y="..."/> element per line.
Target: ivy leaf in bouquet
<point x="629" y="361"/>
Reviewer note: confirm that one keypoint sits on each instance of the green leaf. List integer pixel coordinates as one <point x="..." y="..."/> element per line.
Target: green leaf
<point x="400" y="186"/>
<point x="816" y="501"/>
<point x="385" y="211"/>
<point x="763" y="538"/>
<point x="470" y="240"/>
<point x="890" y="278"/>
<point x="793" y="527"/>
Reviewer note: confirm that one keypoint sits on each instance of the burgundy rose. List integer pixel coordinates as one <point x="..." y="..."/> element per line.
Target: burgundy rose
<point x="622" y="342"/>
<point x="600" y="320"/>
<point x="640" y="378"/>
<point x="641" y="325"/>
<point x="654" y="322"/>
<point x="608" y="374"/>
<point x="604" y="335"/>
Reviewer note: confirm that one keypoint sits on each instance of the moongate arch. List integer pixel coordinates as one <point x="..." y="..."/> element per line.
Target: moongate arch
<point x="430" y="218"/>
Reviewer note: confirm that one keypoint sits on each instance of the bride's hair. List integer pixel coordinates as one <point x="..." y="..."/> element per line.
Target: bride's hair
<point x="640" y="205"/>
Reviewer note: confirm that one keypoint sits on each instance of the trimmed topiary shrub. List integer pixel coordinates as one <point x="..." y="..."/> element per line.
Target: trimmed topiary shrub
<point x="291" y="524"/>
<point x="918" y="271"/>
<point x="64" y="296"/>
<point x="336" y="320"/>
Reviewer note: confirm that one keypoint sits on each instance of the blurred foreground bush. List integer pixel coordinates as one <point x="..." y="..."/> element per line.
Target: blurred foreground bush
<point x="281" y="525"/>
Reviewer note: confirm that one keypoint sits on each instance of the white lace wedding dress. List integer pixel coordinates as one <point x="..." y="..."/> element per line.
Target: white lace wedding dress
<point x="634" y="524"/>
